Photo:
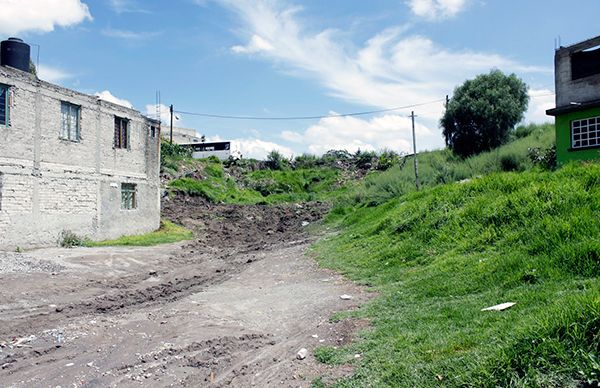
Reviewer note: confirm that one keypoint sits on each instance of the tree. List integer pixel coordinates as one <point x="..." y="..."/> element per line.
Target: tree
<point x="482" y="112"/>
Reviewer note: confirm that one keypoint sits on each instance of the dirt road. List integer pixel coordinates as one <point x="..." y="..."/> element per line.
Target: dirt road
<point x="230" y="308"/>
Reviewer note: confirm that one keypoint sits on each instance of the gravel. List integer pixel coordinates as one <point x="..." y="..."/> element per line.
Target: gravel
<point x="14" y="262"/>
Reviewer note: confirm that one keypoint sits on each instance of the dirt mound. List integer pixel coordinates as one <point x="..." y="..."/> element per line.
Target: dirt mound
<point x="246" y="227"/>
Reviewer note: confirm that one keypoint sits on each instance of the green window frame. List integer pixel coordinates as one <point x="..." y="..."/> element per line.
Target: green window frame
<point x="69" y="121"/>
<point x="128" y="196"/>
<point x="5" y="99"/>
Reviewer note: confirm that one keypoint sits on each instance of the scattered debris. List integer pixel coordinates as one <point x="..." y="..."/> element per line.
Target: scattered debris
<point x="499" y="307"/>
<point x="302" y="353"/>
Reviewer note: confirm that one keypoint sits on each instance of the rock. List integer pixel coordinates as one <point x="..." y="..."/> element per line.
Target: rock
<point x="302" y="353"/>
<point x="345" y="297"/>
<point x="305" y="223"/>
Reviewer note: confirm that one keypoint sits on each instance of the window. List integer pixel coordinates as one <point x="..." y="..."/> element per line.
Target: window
<point x="585" y="63"/>
<point x="585" y="133"/>
<point x="4" y="105"/>
<point x="69" y="117"/>
<point x="128" y="196"/>
<point x="121" y="133"/>
<point x="153" y="131"/>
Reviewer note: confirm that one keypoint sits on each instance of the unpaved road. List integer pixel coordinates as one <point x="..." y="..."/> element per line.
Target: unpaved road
<point x="230" y="308"/>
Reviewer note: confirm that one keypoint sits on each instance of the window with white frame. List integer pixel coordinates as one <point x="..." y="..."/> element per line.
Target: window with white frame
<point x="585" y="132"/>
<point x="128" y="196"/>
<point x="4" y="105"/>
<point x="69" y="121"/>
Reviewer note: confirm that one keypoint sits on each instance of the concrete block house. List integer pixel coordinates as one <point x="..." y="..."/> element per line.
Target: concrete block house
<point x="577" y="111"/>
<point x="72" y="162"/>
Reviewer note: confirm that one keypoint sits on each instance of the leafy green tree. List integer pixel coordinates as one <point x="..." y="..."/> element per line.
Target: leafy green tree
<point x="482" y="112"/>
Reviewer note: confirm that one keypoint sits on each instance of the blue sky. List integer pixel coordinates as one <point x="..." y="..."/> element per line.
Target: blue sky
<point x="294" y="58"/>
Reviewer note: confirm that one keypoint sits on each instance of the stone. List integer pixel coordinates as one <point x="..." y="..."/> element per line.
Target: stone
<point x="345" y="297"/>
<point x="302" y="353"/>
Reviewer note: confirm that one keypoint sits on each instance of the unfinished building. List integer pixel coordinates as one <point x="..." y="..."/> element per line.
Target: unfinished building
<point x="72" y="162"/>
<point x="577" y="112"/>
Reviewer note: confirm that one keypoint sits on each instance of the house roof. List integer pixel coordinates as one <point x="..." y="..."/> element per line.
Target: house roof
<point x="573" y="107"/>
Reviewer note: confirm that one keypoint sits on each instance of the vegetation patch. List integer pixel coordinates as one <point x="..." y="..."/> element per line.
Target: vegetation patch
<point x="437" y="257"/>
<point x="167" y="233"/>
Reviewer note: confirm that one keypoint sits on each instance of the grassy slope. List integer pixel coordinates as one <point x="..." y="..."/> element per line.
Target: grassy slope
<point x="438" y="256"/>
<point x="441" y="166"/>
<point x="263" y="186"/>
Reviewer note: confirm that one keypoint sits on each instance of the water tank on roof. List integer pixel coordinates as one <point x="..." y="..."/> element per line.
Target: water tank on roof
<point x="15" y="53"/>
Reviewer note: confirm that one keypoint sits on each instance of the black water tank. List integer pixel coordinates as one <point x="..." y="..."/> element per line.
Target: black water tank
<point x="15" y="53"/>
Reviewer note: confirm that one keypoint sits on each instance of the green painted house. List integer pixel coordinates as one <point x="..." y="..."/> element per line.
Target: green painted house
<point x="577" y="112"/>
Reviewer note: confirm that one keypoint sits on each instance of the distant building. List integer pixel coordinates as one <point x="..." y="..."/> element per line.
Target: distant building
<point x="220" y="149"/>
<point x="72" y="162"/>
<point x="181" y="135"/>
<point x="577" y="111"/>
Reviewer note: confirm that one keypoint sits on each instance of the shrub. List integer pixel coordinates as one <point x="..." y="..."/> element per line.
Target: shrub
<point x="543" y="157"/>
<point x="276" y="161"/>
<point x="69" y="239"/>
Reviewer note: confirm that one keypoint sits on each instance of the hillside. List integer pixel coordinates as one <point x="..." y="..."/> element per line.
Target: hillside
<point x="439" y="256"/>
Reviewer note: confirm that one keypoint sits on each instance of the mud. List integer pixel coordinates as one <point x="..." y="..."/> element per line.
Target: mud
<point x="229" y="308"/>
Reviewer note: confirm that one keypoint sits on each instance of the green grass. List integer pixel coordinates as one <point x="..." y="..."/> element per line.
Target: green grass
<point x="442" y="166"/>
<point x="262" y="186"/>
<point x="167" y="233"/>
<point x="437" y="257"/>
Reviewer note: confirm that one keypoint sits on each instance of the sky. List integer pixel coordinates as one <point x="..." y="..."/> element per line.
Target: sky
<point x="290" y="58"/>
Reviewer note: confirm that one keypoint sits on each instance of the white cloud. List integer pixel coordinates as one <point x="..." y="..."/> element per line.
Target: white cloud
<point x="540" y="100"/>
<point x="258" y="149"/>
<point x="126" y="6"/>
<point x="129" y="35"/>
<point x="17" y="16"/>
<point x="391" y="69"/>
<point x="351" y="133"/>
<point x="108" y="96"/>
<point x="165" y="114"/>
<point x="293" y="137"/>
<point x="436" y="9"/>
<point x="52" y="74"/>
<point x="256" y="44"/>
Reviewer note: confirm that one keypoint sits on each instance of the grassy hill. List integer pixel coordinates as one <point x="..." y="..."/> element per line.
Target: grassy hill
<point x="439" y="256"/>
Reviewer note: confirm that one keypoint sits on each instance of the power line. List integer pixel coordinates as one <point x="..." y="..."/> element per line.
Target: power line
<point x="306" y="117"/>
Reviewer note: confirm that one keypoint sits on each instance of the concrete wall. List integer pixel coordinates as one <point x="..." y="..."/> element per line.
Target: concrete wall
<point x="567" y="89"/>
<point x="48" y="184"/>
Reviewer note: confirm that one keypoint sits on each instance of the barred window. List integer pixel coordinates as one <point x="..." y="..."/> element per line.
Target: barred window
<point x="121" y="133"/>
<point x="585" y="133"/>
<point x="4" y="105"/>
<point x="69" y="115"/>
<point x="128" y="196"/>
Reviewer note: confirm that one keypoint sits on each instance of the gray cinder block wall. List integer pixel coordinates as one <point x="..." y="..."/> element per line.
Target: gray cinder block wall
<point x="48" y="184"/>
<point x="574" y="91"/>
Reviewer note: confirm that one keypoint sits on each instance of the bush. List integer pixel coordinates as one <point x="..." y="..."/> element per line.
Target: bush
<point x="509" y="162"/>
<point x="544" y="158"/>
<point x="276" y="161"/>
<point x="69" y="239"/>
<point x="387" y="159"/>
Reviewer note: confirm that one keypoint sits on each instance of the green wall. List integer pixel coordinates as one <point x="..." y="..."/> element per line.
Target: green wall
<point x="563" y="137"/>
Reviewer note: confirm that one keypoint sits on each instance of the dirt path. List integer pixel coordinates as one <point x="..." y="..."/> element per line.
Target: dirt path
<point x="230" y="308"/>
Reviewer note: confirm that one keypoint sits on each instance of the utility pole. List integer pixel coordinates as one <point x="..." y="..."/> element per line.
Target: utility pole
<point x="412" y="116"/>
<point x="171" y="135"/>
